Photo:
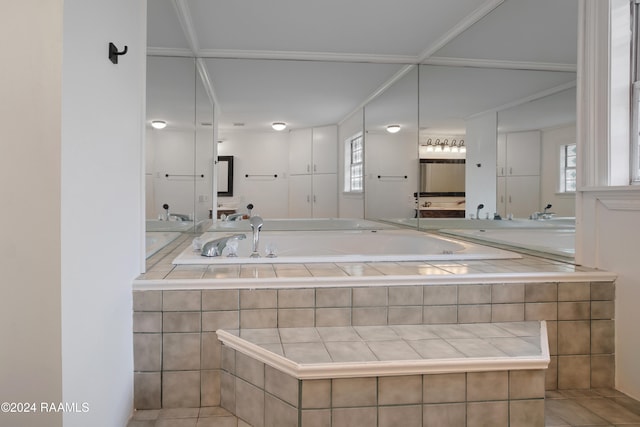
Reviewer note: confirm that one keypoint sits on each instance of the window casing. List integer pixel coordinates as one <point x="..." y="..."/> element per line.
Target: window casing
<point x="568" y="162"/>
<point x="354" y="164"/>
<point x="635" y="91"/>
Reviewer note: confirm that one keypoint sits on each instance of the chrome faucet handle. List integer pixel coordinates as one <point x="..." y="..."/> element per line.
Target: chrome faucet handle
<point x="256" y="223"/>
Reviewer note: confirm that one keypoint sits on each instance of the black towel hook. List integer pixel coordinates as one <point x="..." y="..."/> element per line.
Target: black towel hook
<point x="113" y="52"/>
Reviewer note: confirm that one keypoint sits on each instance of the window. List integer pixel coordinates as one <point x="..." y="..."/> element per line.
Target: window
<point x="354" y="164"/>
<point x="568" y="168"/>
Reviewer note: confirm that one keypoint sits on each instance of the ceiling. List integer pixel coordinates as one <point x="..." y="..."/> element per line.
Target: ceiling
<point x="310" y="63"/>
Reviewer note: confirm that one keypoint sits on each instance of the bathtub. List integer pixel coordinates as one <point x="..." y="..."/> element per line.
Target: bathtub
<point x="182" y="226"/>
<point x="345" y="246"/>
<point x="559" y="241"/>
<point x="473" y="224"/>
<point x="156" y="240"/>
<point x="308" y="224"/>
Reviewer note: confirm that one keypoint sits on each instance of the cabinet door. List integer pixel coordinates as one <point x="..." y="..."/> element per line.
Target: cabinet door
<point x="501" y="197"/>
<point x="325" y="195"/>
<point x="300" y="200"/>
<point x="300" y="151"/>
<point x="523" y="153"/>
<point x="501" y="164"/>
<point x="523" y="195"/>
<point x="325" y="149"/>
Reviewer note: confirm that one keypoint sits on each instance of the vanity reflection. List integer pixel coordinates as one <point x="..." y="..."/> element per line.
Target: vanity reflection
<point x="327" y="106"/>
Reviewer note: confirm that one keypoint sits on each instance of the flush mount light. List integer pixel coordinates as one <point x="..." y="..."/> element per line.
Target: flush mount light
<point x="158" y="124"/>
<point x="278" y="126"/>
<point x="393" y="128"/>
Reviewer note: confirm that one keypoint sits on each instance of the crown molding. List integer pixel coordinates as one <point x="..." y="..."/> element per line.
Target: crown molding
<point x="502" y="64"/>
<point x="306" y="56"/>
<point x="169" y="51"/>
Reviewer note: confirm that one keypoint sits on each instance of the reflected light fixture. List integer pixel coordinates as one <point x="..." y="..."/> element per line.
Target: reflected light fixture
<point x="393" y="128"/>
<point x="158" y="124"/>
<point x="278" y="126"/>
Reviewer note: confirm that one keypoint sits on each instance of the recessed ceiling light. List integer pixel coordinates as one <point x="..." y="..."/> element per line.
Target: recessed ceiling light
<point x="158" y="124"/>
<point x="393" y="128"/>
<point x="278" y="126"/>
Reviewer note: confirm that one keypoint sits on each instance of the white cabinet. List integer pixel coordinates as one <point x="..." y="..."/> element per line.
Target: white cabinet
<point x="313" y="178"/>
<point x="518" y="174"/>
<point x="313" y="196"/>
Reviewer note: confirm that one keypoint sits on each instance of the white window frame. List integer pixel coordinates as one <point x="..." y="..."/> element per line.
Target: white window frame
<point x="564" y="167"/>
<point x="351" y="178"/>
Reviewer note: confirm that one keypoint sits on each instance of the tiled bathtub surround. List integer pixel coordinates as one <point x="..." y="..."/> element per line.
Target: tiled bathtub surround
<point x="177" y="357"/>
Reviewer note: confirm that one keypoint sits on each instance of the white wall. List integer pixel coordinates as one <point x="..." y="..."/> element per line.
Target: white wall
<point x="349" y="205"/>
<point x="552" y="140"/>
<point x="392" y="157"/>
<point x="30" y="330"/>
<point x="480" y="178"/>
<point x="258" y="153"/>
<point x="101" y="204"/>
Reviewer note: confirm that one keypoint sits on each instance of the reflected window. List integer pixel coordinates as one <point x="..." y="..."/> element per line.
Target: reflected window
<point x="354" y="164"/>
<point x="568" y="168"/>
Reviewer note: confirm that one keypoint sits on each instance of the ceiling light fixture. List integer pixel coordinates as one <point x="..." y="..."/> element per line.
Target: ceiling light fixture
<point x="158" y="124"/>
<point x="393" y="128"/>
<point x="278" y="126"/>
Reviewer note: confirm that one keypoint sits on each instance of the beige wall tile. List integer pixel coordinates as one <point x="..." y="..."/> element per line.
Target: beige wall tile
<point x="228" y="391"/>
<point x="147" y="322"/>
<point x="602" y="336"/>
<point x="526" y="413"/>
<point x="440" y="294"/>
<point x="494" y="414"/>
<point x="181" y="389"/>
<point x="256" y="319"/>
<point x="450" y="415"/>
<point x="211" y="357"/>
<point x="296" y="317"/>
<point x="529" y="384"/>
<point x="333" y="316"/>
<point x="210" y="388"/>
<point x="369" y="316"/>
<point x="296" y="298"/>
<point x="601" y="291"/>
<point x="350" y="392"/>
<point x="405" y="315"/>
<point x="573" y="372"/>
<point x="147" y="300"/>
<point x="316" y="394"/>
<point x="400" y="390"/>
<point x="444" y="388"/>
<point x="281" y="385"/>
<point x="220" y="299"/>
<point x="367" y="297"/>
<point x="507" y="312"/>
<point x="474" y="313"/>
<point x="175" y="321"/>
<point x="147" y="390"/>
<point x="354" y="417"/>
<point x="507" y="293"/>
<point x="602" y="310"/>
<point x="214" y="320"/>
<point x="574" y="337"/>
<point x="474" y="294"/>
<point x="540" y="292"/>
<point x="258" y="298"/>
<point x="181" y="300"/>
<point x="249" y="369"/>
<point x="551" y="374"/>
<point x="316" y="418"/>
<point x="249" y="403"/>
<point x="405" y="295"/>
<point x="278" y="413"/>
<point x="228" y="359"/>
<point x="541" y="311"/>
<point x="578" y="291"/>
<point x="574" y="310"/>
<point x="405" y="416"/>
<point x="180" y="352"/>
<point x="487" y="386"/>
<point x="437" y="314"/>
<point x="147" y="352"/>
<point x="603" y="371"/>
<point x="333" y="297"/>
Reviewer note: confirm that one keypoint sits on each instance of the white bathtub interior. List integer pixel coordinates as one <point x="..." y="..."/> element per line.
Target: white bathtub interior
<point x="554" y="241"/>
<point x="344" y="246"/>
<point x="173" y="225"/>
<point x="308" y="224"/>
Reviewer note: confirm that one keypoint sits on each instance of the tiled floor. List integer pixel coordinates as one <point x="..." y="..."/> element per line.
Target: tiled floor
<point x="567" y="408"/>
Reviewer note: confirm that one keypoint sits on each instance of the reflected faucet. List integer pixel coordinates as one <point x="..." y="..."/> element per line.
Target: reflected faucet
<point x="249" y="208"/>
<point x="233" y="217"/>
<point x="215" y="247"/>
<point x="544" y="212"/>
<point x="480" y="206"/>
<point x="179" y="217"/>
<point x="256" y="223"/>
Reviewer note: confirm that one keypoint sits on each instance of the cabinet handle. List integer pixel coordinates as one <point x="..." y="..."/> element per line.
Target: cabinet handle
<point x="502" y="171"/>
<point x="308" y="199"/>
<point x="501" y="199"/>
<point x="314" y="167"/>
<point x="510" y="171"/>
<point x="509" y="199"/>
<point x="308" y="168"/>
<point x="314" y="198"/>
